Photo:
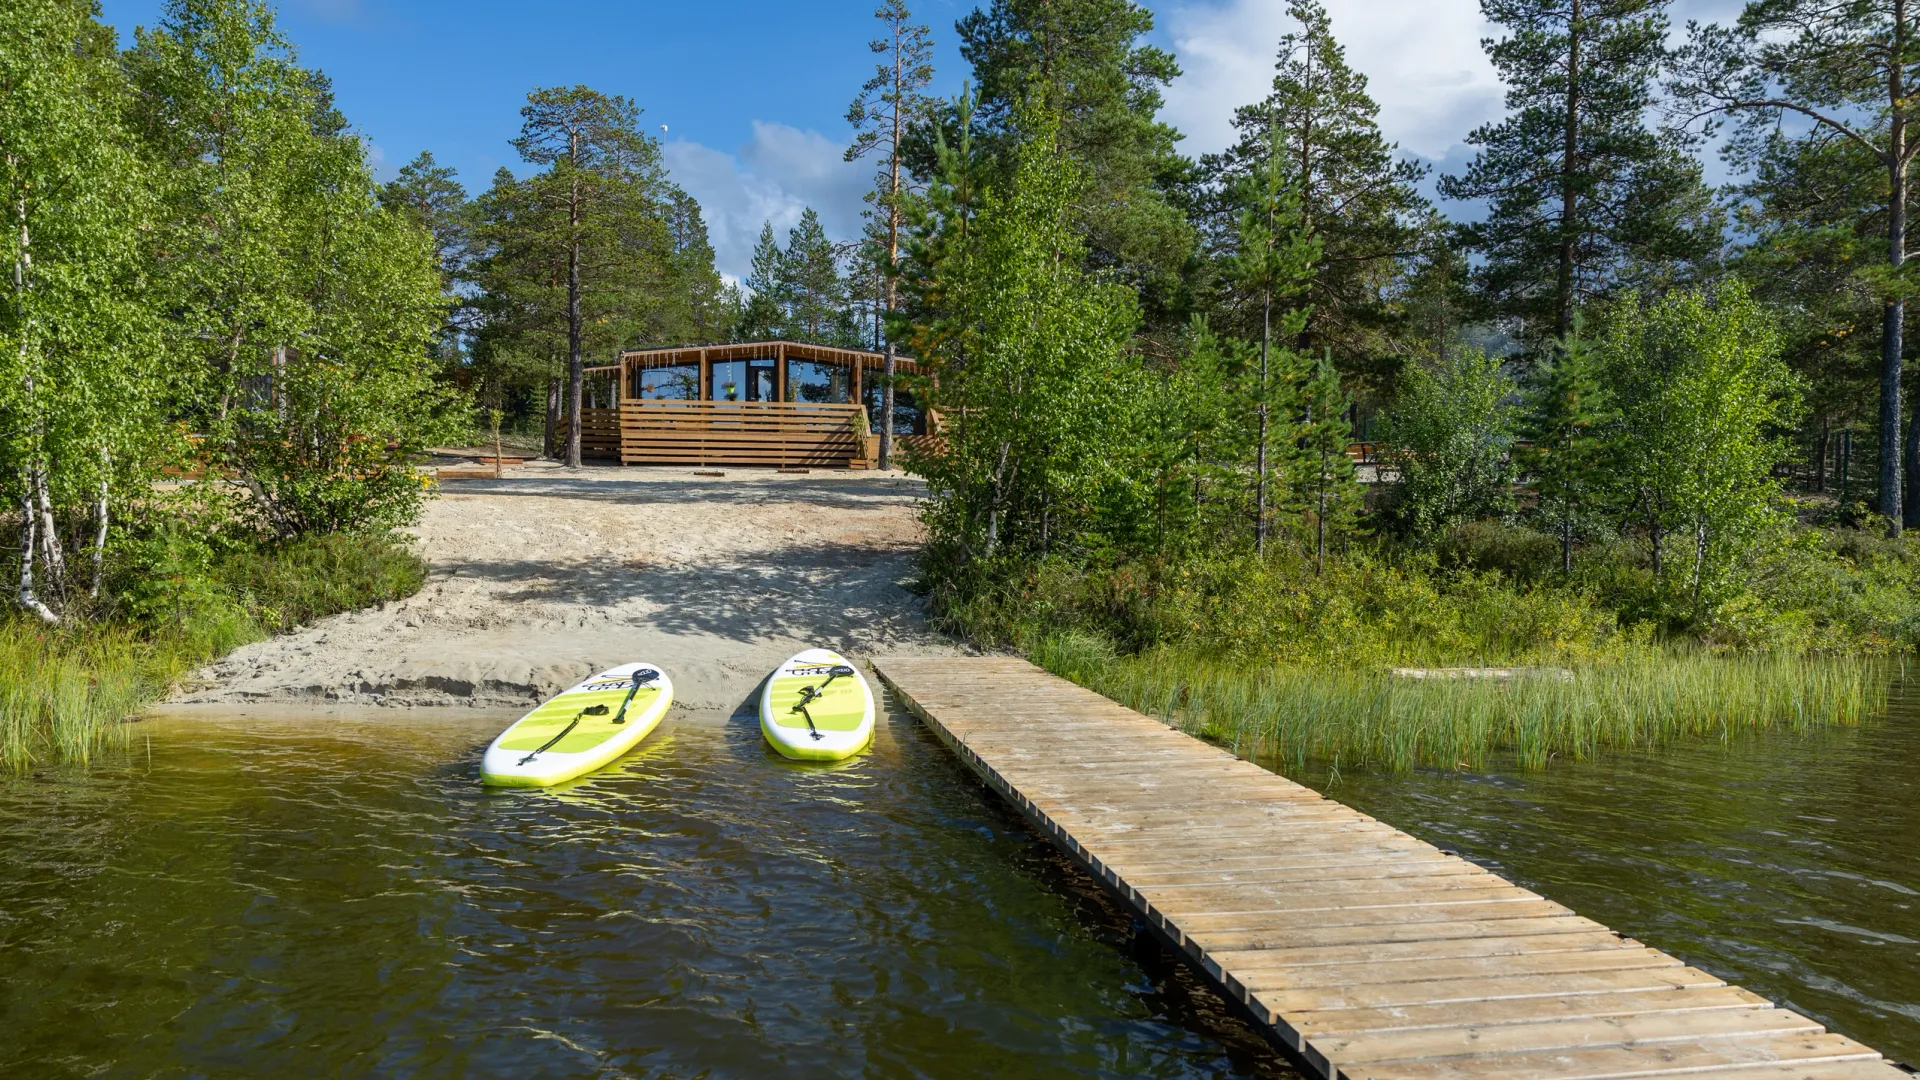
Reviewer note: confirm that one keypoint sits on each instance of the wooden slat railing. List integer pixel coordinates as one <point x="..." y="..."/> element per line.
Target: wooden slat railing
<point x="778" y="434"/>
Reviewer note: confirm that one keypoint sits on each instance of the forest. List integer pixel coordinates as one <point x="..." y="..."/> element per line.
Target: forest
<point x="1275" y="408"/>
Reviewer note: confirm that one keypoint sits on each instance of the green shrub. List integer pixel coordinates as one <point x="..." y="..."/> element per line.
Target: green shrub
<point x="182" y="597"/>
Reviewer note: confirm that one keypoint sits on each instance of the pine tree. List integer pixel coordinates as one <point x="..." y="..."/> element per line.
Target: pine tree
<point x="1271" y="264"/>
<point x="1849" y="70"/>
<point x="430" y="196"/>
<point x="596" y="198"/>
<point x="1578" y="187"/>
<point x="764" y="315"/>
<point x="1356" y="198"/>
<point x="890" y="103"/>
<point x="809" y="283"/>
<point x="1565" y="414"/>
<point x="1323" y="474"/>
<point x="1105" y="84"/>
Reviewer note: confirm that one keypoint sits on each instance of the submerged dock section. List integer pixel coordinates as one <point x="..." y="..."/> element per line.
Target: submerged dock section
<point x="1368" y="954"/>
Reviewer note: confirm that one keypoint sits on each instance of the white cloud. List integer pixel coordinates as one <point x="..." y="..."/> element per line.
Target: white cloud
<point x="775" y="175"/>
<point x="1422" y="58"/>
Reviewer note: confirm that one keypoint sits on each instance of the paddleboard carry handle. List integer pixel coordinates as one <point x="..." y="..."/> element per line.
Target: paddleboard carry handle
<point x="591" y="710"/>
<point x="641" y="676"/>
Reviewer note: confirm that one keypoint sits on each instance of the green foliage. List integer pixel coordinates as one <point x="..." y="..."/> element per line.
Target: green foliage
<point x="302" y="310"/>
<point x="1583" y="195"/>
<point x="1702" y="394"/>
<point x="1101" y="86"/>
<point x="80" y="388"/>
<point x="1039" y="389"/>
<point x="186" y="597"/>
<point x="1449" y="439"/>
<point x="1318" y="128"/>
<point x="1566" y="416"/>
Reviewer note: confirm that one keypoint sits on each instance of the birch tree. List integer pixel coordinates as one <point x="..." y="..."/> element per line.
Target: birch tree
<point x="79" y="392"/>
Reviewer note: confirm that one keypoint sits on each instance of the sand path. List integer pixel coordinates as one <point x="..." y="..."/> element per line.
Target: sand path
<point x="547" y="575"/>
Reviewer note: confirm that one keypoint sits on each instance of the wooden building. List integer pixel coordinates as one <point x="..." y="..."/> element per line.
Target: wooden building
<point x="774" y="403"/>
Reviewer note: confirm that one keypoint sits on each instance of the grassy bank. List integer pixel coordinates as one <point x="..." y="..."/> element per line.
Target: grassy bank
<point x="1284" y="660"/>
<point x="1345" y="717"/>
<point x="63" y="691"/>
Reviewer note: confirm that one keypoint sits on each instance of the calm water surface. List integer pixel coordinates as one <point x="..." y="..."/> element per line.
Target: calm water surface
<point x="1787" y="863"/>
<point x="342" y="898"/>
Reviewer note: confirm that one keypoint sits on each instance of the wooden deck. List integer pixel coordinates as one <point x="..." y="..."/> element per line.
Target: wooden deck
<point x="1362" y="951"/>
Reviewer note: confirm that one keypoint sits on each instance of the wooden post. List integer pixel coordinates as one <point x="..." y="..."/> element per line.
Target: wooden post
<point x="706" y="377"/>
<point x="856" y="362"/>
<point x="780" y="371"/>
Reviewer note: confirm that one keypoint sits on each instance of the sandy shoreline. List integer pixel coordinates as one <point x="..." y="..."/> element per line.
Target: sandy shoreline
<point x="546" y="575"/>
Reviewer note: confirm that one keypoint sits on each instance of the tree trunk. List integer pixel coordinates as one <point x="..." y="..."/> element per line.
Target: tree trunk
<point x="100" y="538"/>
<point x="1893" y="322"/>
<point x="50" y="536"/>
<point x="552" y="438"/>
<point x="1820" y="457"/>
<point x="1566" y="541"/>
<point x="576" y="362"/>
<point x="886" y="411"/>
<point x="1563" y="292"/>
<point x="1260" y="449"/>
<point x="26" y="598"/>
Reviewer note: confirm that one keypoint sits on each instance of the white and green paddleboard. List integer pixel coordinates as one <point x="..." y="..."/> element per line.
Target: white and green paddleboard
<point x="816" y="707"/>
<point x="580" y="730"/>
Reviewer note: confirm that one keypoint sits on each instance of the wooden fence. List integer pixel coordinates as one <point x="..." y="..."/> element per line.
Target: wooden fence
<point x="776" y="434"/>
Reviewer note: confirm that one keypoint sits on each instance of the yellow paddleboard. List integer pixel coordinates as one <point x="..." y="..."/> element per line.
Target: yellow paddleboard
<point x="816" y="707"/>
<point x="580" y="730"/>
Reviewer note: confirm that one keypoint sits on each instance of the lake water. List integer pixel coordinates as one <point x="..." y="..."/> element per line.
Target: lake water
<point x="342" y="898"/>
<point x="1787" y="863"/>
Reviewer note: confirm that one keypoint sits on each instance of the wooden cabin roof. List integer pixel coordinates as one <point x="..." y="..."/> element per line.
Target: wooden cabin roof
<point x="741" y="350"/>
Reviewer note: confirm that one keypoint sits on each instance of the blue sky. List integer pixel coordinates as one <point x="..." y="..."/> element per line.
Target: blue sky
<point x="754" y="92"/>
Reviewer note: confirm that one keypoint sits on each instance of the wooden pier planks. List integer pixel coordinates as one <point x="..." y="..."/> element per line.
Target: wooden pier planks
<point x="1369" y="954"/>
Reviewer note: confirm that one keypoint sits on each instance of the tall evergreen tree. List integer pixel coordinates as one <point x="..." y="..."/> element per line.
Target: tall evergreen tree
<point x="809" y="282"/>
<point x="890" y="103"/>
<point x="1356" y="197"/>
<point x="600" y="184"/>
<point x="1565" y="413"/>
<point x="764" y="314"/>
<point x="1105" y="84"/>
<point x="1579" y="189"/>
<point x="1323" y="474"/>
<point x="1271" y="264"/>
<point x="1849" y="70"/>
<point x="429" y="195"/>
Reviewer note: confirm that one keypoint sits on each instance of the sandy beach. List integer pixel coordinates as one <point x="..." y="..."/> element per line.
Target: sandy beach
<point x="546" y="575"/>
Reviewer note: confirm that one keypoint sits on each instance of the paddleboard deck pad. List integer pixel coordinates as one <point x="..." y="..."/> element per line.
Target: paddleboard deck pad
<point x="817" y="707"/>
<point x="577" y="732"/>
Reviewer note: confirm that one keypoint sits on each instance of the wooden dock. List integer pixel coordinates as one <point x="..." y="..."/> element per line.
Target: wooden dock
<point x="1365" y="953"/>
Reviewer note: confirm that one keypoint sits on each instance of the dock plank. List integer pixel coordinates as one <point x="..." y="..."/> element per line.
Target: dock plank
<point x="1366" y="953"/>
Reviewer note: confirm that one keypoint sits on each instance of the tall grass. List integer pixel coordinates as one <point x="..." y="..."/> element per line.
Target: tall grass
<point x="64" y="692"/>
<point x="60" y="693"/>
<point x="1346" y="717"/>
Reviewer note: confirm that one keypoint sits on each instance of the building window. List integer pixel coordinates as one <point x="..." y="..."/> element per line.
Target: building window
<point x="818" y="382"/>
<point x="743" y="380"/>
<point x="676" y="382"/>
<point x="907" y="418"/>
